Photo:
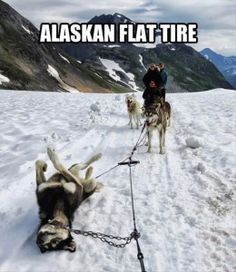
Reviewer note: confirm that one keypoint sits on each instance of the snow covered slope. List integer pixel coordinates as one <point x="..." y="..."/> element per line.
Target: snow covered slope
<point x="185" y="199"/>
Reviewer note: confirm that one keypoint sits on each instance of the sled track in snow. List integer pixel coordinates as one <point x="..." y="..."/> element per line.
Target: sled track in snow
<point x="182" y="198"/>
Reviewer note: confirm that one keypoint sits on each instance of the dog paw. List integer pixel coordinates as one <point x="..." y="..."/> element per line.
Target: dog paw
<point x="40" y="164"/>
<point x="54" y="159"/>
<point x="51" y="154"/>
<point x="162" y="151"/>
<point x="98" y="156"/>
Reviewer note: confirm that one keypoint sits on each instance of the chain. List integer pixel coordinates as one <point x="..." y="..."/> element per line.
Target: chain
<point x="106" y="238"/>
<point x="135" y="234"/>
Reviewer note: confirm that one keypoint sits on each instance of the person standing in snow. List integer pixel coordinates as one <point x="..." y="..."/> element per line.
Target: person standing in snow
<point x="153" y="83"/>
<point x="164" y="76"/>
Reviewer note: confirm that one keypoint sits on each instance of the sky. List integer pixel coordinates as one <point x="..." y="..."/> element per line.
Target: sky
<point x="216" y="18"/>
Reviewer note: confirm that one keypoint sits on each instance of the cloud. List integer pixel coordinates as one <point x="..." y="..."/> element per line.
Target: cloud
<point x="221" y="42"/>
<point x="216" y="18"/>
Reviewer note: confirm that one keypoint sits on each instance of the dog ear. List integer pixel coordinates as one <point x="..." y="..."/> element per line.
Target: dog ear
<point x="41" y="165"/>
<point x="162" y="101"/>
<point x="158" y="107"/>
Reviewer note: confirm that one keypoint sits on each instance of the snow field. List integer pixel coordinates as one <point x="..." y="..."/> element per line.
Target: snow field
<point x="184" y="200"/>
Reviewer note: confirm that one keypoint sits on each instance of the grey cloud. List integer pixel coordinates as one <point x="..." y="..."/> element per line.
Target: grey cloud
<point x="213" y="16"/>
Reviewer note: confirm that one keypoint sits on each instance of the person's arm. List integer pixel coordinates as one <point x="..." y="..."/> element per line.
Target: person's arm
<point x="158" y="80"/>
<point x="145" y="80"/>
<point x="164" y="77"/>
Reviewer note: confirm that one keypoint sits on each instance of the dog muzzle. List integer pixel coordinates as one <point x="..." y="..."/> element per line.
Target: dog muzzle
<point x="52" y="237"/>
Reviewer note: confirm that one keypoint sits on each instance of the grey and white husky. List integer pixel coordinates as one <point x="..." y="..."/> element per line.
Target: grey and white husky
<point x="58" y="198"/>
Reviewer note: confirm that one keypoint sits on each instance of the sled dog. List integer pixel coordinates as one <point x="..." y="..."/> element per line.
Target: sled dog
<point x="157" y="118"/>
<point x="58" y="198"/>
<point x="134" y="111"/>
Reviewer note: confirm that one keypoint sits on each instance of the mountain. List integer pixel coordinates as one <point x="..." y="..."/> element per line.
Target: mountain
<point x="188" y="70"/>
<point x="116" y="18"/>
<point x="226" y="65"/>
<point x="27" y="65"/>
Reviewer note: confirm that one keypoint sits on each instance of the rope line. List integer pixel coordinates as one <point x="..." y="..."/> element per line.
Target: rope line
<point x="133" y="150"/>
<point x="135" y="234"/>
<point x="107" y="171"/>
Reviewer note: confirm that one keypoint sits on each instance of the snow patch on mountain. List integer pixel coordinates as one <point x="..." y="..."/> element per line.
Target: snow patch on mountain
<point x="26" y="29"/>
<point x="146" y="45"/>
<point x="113" y="46"/>
<point x="141" y="61"/>
<point x="149" y="45"/>
<point x="112" y="67"/>
<point x="54" y="73"/>
<point x="64" y="58"/>
<point x="4" y="79"/>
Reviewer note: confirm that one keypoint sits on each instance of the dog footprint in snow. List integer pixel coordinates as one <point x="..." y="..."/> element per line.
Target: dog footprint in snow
<point x="54" y="136"/>
<point x="50" y="141"/>
<point x="179" y="210"/>
<point x="191" y="221"/>
<point x="172" y="195"/>
<point x="68" y="157"/>
<point x="215" y="240"/>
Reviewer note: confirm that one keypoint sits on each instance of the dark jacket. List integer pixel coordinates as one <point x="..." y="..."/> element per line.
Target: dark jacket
<point x="150" y="95"/>
<point x="152" y="76"/>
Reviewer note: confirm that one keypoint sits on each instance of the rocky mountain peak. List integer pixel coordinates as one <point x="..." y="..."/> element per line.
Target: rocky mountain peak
<point x="115" y="18"/>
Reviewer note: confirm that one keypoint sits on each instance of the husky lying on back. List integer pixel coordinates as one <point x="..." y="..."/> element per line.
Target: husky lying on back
<point x="58" y="198"/>
<point x="134" y="111"/>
